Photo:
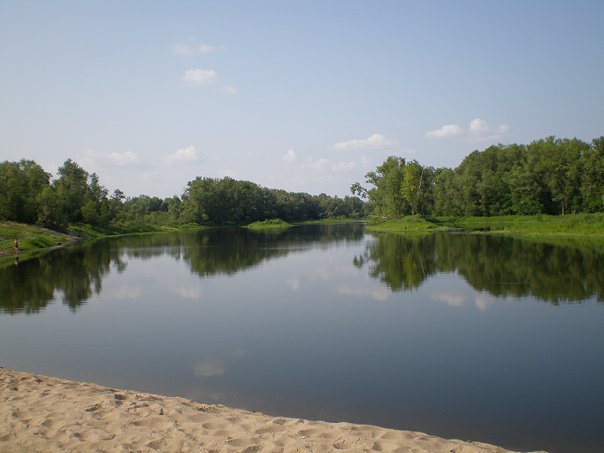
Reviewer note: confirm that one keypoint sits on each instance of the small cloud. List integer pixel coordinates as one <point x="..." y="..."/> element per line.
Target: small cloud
<point x="209" y="368"/>
<point x="190" y="46"/>
<point x="478" y="129"/>
<point x="190" y="293"/>
<point x="200" y="76"/>
<point x="294" y="284"/>
<point x="380" y="294"/>
<point x="451" y="299"/>
<point x="206" y="48"/>
<point x="93" y="158"/>
<point x="126" y="292"/>
<point x="316" y="165"/>
<point x="230" y="89"/>
<point x="123" y="159"/>
<point x="183" y="49"/>
<point x="343" y="167"/>
<point x="482" y="302"/>
<point x="188" y="154"/>
<point x="290" y="156"/>
<point x="448" y="130"/>
<point x="375" y="141"/>
<point x="366" y="162"/>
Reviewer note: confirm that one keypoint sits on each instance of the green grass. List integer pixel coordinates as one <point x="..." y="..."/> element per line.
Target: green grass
<point x="269" y="224"/>
<point x="30" y="237"/>
<point x="332" y="221"/>
<point x="570" y="224"/>
<point x="407" y="224"/>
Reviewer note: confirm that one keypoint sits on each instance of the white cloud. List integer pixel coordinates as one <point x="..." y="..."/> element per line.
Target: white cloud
<point x="123" y="159"/>
<point x="380" y="294"/>
<point x="183" y="49"/>
<point x="316" y="165"/>
<point x="230" y="89"/>
<point x="93" y="159"/>
<point x="126" y="292"/>
<point x="478" y="129"/>
<point x="190" y="46"/>
<point x="200" y="76"/>
<point x="188" y="154"/>
<point x="482" y="302"/>
<point x="294" y="284"/>
<point x="448" y="130"/>
<point x="206" y="48"/>
<point x="190" y="293"/>
<point x="375" y="141"/>
<point x="343" y="167"/>
<point x="290" y="156"/>
<point x="209" y="368"/>
<point x="366" y="162"/>
<point x="451" y="299"/>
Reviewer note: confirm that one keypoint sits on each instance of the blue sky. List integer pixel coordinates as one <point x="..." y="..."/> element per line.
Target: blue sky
<point x="303" y="96"/>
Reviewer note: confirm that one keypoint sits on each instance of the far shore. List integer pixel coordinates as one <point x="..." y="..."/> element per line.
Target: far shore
<point x="47" y="414"/>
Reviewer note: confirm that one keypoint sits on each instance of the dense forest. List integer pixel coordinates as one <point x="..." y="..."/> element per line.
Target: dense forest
<point x="29" y="194"/>
<point x="549" y="176"/>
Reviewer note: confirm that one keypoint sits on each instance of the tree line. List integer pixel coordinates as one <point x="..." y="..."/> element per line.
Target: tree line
<point x="548" y="176"/>
<point x="29" y="194"/>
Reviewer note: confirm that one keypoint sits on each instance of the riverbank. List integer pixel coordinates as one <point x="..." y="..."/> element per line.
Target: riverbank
<point x="30" y="238"/>
<point x="33" y="239"/>
<point x="584" y="225"/>
<point x="47" y="414"/>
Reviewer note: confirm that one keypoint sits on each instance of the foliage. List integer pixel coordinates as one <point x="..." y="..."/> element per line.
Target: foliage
<point x="548" y="176"/>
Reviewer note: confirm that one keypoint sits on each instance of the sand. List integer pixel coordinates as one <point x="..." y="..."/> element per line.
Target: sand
<point x="47" y="414"/>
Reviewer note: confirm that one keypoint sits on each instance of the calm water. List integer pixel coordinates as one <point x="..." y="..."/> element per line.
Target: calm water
<point x="474" y="337"/>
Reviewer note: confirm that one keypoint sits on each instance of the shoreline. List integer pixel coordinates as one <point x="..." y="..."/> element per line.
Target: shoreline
<point x="47" y="414"/>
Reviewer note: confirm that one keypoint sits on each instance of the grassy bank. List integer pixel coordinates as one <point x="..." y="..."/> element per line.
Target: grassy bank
<point x="35" y="238"/>
<point x="270" y="224"/>
<point x="591" y="225"/>
<point x="570" y="224"/>
<point x="406" y="224"/>
<point x="30" y="238"/>
<point x="332" y="221"/>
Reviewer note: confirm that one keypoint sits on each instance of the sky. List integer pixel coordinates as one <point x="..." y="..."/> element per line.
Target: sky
<point x="306" y="96"/>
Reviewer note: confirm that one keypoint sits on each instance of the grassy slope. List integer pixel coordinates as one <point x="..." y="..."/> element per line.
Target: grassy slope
<point x="583" y="225"/>
<point x="30" y="237"/>
<point x="406" y="224"/>
<point x="270" y="224"/>
<point x="570" y="224"/>
<point x="332" y="221"/>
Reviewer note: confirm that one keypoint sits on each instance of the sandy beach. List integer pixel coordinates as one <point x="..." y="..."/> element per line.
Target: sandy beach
<point x="47" y="414"/>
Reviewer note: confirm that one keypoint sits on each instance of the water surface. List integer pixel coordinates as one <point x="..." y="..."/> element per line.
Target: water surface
<point x="485" y="338"/>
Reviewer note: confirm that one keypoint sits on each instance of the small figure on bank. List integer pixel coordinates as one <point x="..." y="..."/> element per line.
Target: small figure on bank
<point x="16" y="244"/>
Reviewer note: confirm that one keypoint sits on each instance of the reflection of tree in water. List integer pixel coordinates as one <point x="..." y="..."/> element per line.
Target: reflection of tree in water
<point x="400" y="262"/>
<point x="227" y="251"/>
<point x="503" y="266"/>
<point x="77" y="272"/>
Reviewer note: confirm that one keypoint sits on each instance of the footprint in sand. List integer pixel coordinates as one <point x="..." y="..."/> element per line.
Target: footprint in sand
<point x="213" y="426"/>
<point x="159" y="423"/>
